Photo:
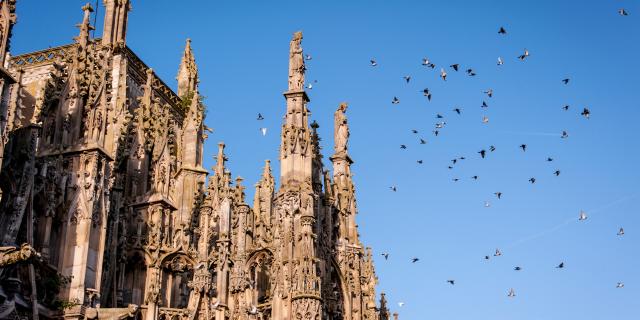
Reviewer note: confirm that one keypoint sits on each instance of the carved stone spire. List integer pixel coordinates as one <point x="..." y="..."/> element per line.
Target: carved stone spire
<point x="7" y="20"/>
<point x="220" y="160"/>
<point x="115" y="21"/>
<point x="187" y="72"/>
<point x="296" y="152"/>
<point x="384" y="310"/>
<point x="85" y="27"/>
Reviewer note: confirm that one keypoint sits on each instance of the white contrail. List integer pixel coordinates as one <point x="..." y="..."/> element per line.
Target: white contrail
<point x="566" y="222"/>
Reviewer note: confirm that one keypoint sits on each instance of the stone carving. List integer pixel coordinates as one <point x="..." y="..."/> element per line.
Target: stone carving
<point x="341" y="134"/>
<point x="296" y="63"/>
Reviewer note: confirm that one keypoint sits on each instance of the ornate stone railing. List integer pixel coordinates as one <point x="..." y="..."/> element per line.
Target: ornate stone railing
<point x="173" y="314"/>
<point x="41" y="57"/>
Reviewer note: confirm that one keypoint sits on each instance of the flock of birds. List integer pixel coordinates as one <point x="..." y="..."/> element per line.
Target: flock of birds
<point x="483" y="153"/>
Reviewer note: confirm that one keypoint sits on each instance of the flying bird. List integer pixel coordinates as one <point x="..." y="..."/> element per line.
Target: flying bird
<point x="565" y="81"/>
<point x="263" y="131"/>
<point x="498" y="253"/>
<point x="443" y="74"/>
<point x="489" y="92"/>
<point x="621" y="232"/>
<point x="471" y="73"/>
<point x="427" y="93"/>
<point x="524" y="55"/>
<point x="414" y="130"/>
<point x="511" y="293"/>
<point x="620" y="285"/>
<point x="307" y="57"/>
<point x="560" y="266"/>
<point x="474" y="177"/>
<point x="427" y="63"/>
<point x="393" y="188"/>
<point x="517" y="268"/>
<point x="565" y="107"/>
<point x="484" y="105"/>
<point x="549" y="159"/>
<point x="498" y="194"/>
<point x="487" y="257"/>
<point x="492" y="148"/>
<point x="532" y="180"/>
<point x="309" y="86"/>
<point x="395" y="100"/>
<point x="523" y="147"/>
<point x="260" y="117"/>
<point x="500" y="61"/>
<point x="482" y="153"/>
<point x="485" y="119"/>
<point x="419" y="161"/>
<point x="586" y="113"/>
<point x="457" y="110"/>
<point x="623" y="12"/>
<point x="407" y="78"/>
<point x="422" y="141"/>
<point x="452" y="282"/>
<point x="402" y="146"/>
<point x="385" y="255"/>
<point x="439" y="116"/>
<point x="373" y="62"/>
<point x="557" y="173"/>
<point x="436" y="132"/>
<point x="455" y="67"/>
<point x="583" y="216"/>
<point x="400" y="304"/>
<point x="564" y="135"/>
<point x="502" y="31"/>
<point x="487" y="204"/>
<point x="455" y="179"/>
<point x="414" y="260"/>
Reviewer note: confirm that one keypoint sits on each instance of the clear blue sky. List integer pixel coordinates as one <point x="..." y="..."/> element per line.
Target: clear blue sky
<point x="242" y="48"/>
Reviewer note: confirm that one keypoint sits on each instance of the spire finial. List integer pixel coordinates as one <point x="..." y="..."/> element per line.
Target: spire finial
<point x="220" y="159"/>
<point x="116" y="17"/>
<point x="187" y="72"/>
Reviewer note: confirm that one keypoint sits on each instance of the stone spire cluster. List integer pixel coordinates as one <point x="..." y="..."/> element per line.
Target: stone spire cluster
<point x="109" y="197"/>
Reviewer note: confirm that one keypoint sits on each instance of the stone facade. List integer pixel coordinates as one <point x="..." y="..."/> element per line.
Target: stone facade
<point x="102" y="181"/>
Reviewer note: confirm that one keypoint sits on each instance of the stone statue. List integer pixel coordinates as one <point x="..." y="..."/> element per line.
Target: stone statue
<point x="296" y="63"/>
<point x="341" y="129"/>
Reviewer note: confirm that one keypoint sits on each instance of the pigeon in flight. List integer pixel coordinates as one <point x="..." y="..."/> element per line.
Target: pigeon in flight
<point x="532" y="180"/>
<point x="487" y="204"/>
<point x="427" y="63"/>
<point x="484" y="105"/>
<point x="498" y="194"/>
<point x="487" y="257"/>
<point x="489" y="92"/>
<point x="455" y="179"/>
<point x="621" y="232"/>
<point x="308" y="57"/>
<point x="586" y="113"/>
<point x="492" y="148"/>
<point x="400" y="304"/>
<point x="500" y="61"/>
<point x="253" y="310"/>
<point x="422" y="141"/>
<point x="309" y="86"/>
<point x="452" y="282"/>
<point x="524" y="55"/>
<point x="511" y="293"/>
<point x="517" y="268"/>
<point x="260" y="117"/>
<point x="419" y="161"/>
<point x="485" y="119"/>
<point x="583" y="216"/>
<point x="407" y="78"/>
<point x="549" y="159"/>
<point x="471" y="73"/>
<point x="439" y="116"/>
<point x="560" y="266"/>
<point x="498" y="253"/>
<point x="457" y="110"/>
<point x="450" y="167"/>
<point x="502" y="31"/>
<point x="402" y="146"/>
<point x="373" y="62"/>
<point x="393" y="188"/>
<point x="523" y="147"/>
<point x="557" y="173"/>
<point x="427" y="93"/>
<point x="454" y="161"/>
<point x="436" y="132"/>
<point x="620" y="285"/>
<point x="395" y="100"/>
<point x="566" y="107"/>
<point x="414" y="131"/>
<point x="263" y="131"/>
<point x="623" y="12"/>
<point x="455" y="67"/>
<point x="414" y="260"/>
<point x="474" y="177"/>
<point x="482" y="153"/>
<point x="564" y="134"/>
<point x="566" y="80"/>
<point x="443" y="74"/>
<point x="385" y="255"/>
